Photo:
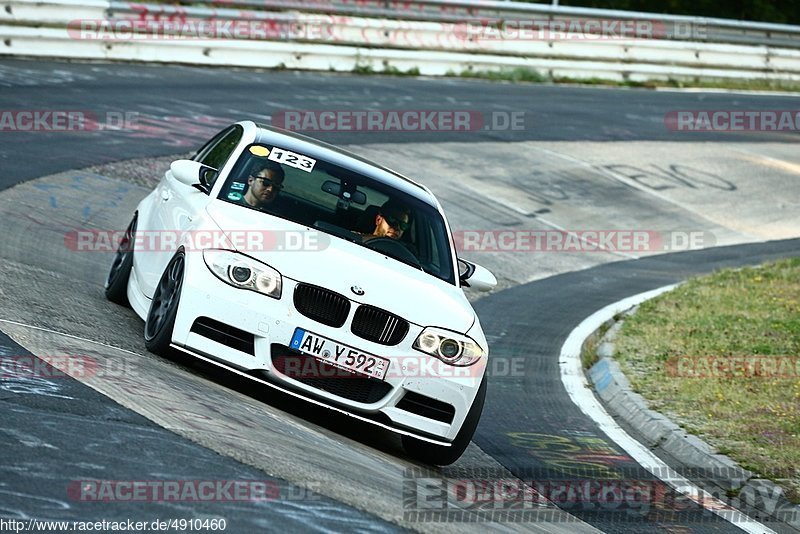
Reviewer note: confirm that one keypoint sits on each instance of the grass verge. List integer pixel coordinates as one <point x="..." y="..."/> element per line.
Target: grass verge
<point x="720" y="356"/>
<point x="388" y="70"/>
<point x="522" y="74"/>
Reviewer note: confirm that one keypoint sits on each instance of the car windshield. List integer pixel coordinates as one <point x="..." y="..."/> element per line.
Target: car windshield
<point x="340" y="202"/>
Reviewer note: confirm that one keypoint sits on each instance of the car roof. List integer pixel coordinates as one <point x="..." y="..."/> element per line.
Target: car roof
<point x="305" y="145"/>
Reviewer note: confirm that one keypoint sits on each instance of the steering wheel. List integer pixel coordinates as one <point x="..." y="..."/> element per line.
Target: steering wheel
<point x="394" y="248"/>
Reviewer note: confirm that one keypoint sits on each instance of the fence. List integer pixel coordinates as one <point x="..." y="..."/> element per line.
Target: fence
<point x="432" y="37"/>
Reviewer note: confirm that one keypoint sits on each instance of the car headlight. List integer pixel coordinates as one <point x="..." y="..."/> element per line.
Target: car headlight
<point x="243" y="272"/>
<point x="452" y="348"/>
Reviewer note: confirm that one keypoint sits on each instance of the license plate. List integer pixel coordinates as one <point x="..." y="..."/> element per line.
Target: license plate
<point x="339" y="355"/>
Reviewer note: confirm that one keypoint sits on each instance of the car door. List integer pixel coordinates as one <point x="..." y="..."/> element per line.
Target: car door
<point x="180" y="206"/>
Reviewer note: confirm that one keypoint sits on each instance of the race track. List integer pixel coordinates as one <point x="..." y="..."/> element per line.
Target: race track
<point x="586" y="159"/>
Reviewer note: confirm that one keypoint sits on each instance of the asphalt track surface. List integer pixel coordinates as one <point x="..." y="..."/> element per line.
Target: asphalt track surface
<point x="532" y="321"/>
<point x="59" y="436"/>
<point x="179" y="106"/>
<point x="529" y="422"/>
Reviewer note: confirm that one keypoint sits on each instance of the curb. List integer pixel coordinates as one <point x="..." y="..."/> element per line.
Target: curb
<point x="757" y="497"/>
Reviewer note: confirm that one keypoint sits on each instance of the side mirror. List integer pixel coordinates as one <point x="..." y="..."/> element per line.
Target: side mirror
<point x="207" y="177"/>
<point x="193" y="173"/>
<point x="474" y="276"/>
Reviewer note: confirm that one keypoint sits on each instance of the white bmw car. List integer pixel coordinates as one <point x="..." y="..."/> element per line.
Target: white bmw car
<point x="315" y="272"/>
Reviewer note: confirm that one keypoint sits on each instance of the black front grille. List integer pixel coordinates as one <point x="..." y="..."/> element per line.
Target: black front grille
<point x="427" y="407"/>
<point x="317" y="374"/>
<point x="322" y="305"/>
<point x="379" y="326"/>
<point x="225" y="334"/>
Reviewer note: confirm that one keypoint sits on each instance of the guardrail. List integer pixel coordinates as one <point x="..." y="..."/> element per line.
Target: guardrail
<point x="275" y="36"/>
<point x="703" y="29"/>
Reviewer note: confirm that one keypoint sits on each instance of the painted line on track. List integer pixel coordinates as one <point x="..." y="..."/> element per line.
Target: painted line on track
<point x="243" y="375"/>
<point x="633" y="184"/>
<point x="79" y="338"/>
<point x="558" y="227"/>
<point x="582" y="395"/>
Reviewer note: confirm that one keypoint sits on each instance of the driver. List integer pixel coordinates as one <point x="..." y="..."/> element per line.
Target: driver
<point x="391" y="221"/>
<point x="264" y="184"/>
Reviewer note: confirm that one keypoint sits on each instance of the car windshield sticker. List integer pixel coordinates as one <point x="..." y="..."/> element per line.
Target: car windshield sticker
<point x="234" y="196"/>
<point x="237" y="186"/>
<point x="259" y="150"/>
<point x="292" y="159"/>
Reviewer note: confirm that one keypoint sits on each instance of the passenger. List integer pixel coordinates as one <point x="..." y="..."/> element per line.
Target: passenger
<point x="391" y="221"/>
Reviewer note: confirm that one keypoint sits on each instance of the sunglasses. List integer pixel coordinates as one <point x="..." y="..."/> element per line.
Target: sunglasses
<point x="266" y="182"/>
<point x="397" y="224"/>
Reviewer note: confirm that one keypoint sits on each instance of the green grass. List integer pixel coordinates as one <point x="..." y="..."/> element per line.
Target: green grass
<point x="726" y="83"/>
<point x="518" y="74"/>
<point x="590" y="345"/>
<point x="730" y="314"/>
<point x="521" y="74"/>
<point x="387" y="70"/>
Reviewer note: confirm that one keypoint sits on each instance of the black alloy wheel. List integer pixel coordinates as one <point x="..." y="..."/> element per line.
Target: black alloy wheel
<point x="164" y="307"/>
<point x="116" y="286"/>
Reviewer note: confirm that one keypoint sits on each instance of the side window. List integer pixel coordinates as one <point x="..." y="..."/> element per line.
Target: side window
<point x="200" y="154"/>
<point x="219" y="149"/>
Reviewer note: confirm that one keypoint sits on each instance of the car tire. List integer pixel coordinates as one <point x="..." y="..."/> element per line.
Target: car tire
<point x="164" y="307"/>
<point x="431" y="454"/>
<point x="116" y="286"/>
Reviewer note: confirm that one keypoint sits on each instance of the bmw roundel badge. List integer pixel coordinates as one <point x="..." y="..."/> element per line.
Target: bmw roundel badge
<point x="357" y="290"/>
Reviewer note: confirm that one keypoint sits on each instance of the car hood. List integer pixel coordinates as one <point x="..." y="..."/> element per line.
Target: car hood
<point x="308" y="255"/>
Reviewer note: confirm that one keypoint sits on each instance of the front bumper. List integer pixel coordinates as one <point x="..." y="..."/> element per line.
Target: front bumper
<point x="267" y="325"/>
